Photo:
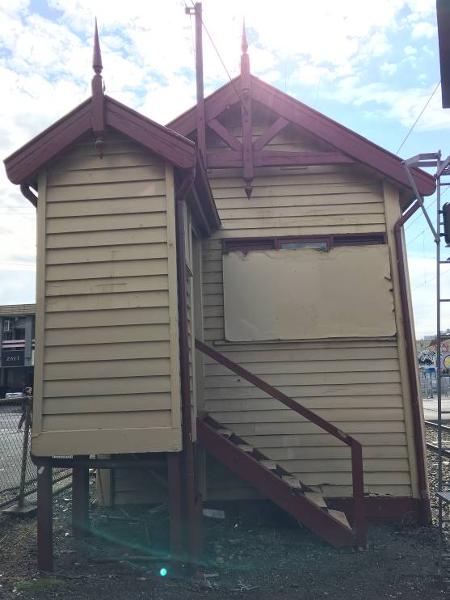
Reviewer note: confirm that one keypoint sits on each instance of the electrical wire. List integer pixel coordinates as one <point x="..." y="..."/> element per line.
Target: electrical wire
<point x="431" y="280"/>
<point x="417" y="236"/>
<point x="419" y="117"/>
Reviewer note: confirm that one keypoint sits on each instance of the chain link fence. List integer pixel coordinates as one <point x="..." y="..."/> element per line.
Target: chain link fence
<point x="11" y="455"/>
<point x="428" y="384"/>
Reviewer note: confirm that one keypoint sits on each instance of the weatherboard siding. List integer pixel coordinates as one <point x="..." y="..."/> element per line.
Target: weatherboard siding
<point x="357" y="384"/>
<point x="107" y="355"/>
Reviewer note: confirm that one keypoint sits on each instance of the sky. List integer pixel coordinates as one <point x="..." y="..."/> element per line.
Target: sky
<point x="372" y="66"/>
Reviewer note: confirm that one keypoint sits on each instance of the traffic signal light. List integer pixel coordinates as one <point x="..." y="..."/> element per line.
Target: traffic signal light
<point x="446" y="221"/>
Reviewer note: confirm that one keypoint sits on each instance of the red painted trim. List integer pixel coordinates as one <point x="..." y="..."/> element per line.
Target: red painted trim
<point x="22" y="165"/>
<point x="273" y="487"/>
<point x="382" y="509"/>
<point x="349" y="142"/>
<point x="379" y="509"/>
<point x="355" y="446"/>
<point x="205" y="194"/>
<point x="45" y="516"/>
<point x="419" y="441"/>
<point x="175" y="503"/>
<point x="215" y="104"/>
<point x="80" y="498"/>
<point x="98" y="101"/>
<point x="175" y="148"/>
<point x="273" y="243"/>
<point x="268" y="135"/>
<point x="224" y="159"/>
<point x="190" y="492"/>
<point x="29" y="195"/>
<point x="275" y="393"/>
<point x="271" y="158"/>
<point x="247" y="122"/>
<point x="98" y="106"/>
<point x="225" y="135"/>
<point x="343" y="139"/>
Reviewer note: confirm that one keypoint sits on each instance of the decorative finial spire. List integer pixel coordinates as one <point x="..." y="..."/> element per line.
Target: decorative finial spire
<point x="98" y="98"/>
<point x="246" y="116"/>
<point x="245" y="59"/>
<point x="97" y="58"/>
<point x="244" y="43"/>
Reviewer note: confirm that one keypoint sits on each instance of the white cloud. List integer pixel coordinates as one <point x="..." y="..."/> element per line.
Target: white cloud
<point x="388" y="68"/>
<point x="422" y="271"/>
<point x="423" y="30"/>
<point x="410" y="50"/>
<point x="148" y="64"/>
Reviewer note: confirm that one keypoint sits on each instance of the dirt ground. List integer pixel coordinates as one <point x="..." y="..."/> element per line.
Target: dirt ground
<point x="250" y="556"/>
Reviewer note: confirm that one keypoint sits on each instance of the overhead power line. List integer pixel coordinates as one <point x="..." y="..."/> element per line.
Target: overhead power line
<point x="418" y="117"/>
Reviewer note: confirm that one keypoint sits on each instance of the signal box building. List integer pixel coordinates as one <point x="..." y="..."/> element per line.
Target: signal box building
<point x="223" y="312"/>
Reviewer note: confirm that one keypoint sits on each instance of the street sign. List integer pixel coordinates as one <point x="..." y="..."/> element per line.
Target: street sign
<point x="13" y="358"/>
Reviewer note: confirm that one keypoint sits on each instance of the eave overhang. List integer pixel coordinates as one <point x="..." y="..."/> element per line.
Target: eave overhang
<point x="24" y="164"/>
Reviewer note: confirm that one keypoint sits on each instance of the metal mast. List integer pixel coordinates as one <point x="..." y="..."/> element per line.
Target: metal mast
<point x="443" y="488"/>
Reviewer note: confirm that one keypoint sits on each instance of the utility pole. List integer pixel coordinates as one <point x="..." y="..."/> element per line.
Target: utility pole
<point x="196" y="10"/>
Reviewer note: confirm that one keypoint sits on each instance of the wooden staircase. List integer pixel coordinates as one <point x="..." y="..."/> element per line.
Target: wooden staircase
<point x="272" y="481"/>
<point x="305" y="504"/>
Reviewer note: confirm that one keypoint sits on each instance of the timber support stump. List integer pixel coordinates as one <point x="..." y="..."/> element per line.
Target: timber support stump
<point x="44" y="516"/>
<point x="80" y="498"/>
<point x="175" y="505"/>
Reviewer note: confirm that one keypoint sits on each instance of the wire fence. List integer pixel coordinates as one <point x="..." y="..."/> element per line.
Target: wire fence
<point x="428" y="384"/>
<point x="12" y="454"/>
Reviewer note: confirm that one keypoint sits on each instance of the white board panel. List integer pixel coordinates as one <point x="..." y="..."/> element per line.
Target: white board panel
<point x="308" y="294"/>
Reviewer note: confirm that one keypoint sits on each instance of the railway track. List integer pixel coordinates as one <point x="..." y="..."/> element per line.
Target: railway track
<point x="445" y="450"/>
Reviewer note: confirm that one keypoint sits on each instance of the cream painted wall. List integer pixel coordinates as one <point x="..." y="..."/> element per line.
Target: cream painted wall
<point x="107" y="366"/>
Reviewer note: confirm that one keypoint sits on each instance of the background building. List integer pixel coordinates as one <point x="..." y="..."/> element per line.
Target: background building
<point x="17" y="347"/>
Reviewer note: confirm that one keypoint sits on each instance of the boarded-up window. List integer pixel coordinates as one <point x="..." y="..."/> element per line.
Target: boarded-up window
<point x="306" y="293"/>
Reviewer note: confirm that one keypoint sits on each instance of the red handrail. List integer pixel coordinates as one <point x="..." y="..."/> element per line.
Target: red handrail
<point x="359" y="519"/>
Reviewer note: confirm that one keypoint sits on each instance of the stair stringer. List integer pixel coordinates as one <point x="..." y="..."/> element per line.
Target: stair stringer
<point x="270" y="485"/>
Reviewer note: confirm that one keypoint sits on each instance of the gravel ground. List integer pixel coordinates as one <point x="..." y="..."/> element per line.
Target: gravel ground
<point x="258" y="557"/>
<point x="431" y="436"/>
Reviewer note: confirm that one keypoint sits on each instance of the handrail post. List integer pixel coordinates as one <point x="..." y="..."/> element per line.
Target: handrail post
<point x="359" y="516"/>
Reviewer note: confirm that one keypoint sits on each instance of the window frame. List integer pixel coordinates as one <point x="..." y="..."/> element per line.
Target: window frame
<point x="249" y="244"/>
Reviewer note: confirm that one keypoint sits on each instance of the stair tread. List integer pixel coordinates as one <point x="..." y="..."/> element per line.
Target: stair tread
<point x="269" y="464"/>
<point x="292" y="481"/>
<point x="339" y="516"/>
<point x="306" y="503"/>
<point x="317" y="498"/>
